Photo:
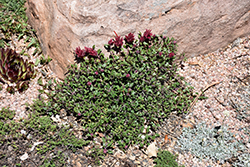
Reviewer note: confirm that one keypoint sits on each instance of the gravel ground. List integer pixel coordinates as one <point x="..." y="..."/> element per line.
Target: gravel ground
<point x="228" y="69"/>
<point x="17" y="101"/>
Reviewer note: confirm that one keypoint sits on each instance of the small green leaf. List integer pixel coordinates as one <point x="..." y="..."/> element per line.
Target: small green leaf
<point x="33" y="42"/>
<point x="39" y="81"/>
<point x="48" y="60"/>
<point x="37" y="62"/>
<point x="20" y="36"/>
<point x="22" y="52"/>
<point x="26" y="39"/>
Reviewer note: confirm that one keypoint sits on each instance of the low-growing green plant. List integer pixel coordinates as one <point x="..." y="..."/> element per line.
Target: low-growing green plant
<point x="217" y="143"/>
<point x="13" y="18"/>
<point x="59" y="157"/>
<point x="6" y="113"/>
<point x="96" y="154"/>
<point x="13" y="21"/>
<point x="57" y="136"/>
<point x="166" y="159"/>
<point x="43" y="60"/>
<point x="40" y="127"/>
<point x="15" y="70"/>
<point x="118" y="96"/>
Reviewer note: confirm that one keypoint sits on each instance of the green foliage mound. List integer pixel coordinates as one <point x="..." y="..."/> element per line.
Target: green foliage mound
<point x="135" y="87"/>
<point x="166" y="159"/>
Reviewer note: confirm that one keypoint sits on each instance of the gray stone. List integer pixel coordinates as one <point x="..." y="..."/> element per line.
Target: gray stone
<point x="10" y="148"/>
<point x="199" y="26"/>
<point x="24" y="156"/>
<point x="132" y="158"/>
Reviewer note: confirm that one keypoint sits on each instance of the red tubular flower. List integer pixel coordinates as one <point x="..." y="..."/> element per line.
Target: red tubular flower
<point x="118" y="41"/>
<point x="116" y="34"/>
<point x="111" y="42"/>
<point x="78" y="50"/>
<point x="160" y="53"/>
<point x="171" y="54"/>
<point x="130" y="38"/>
<point x="128" y="75"/>
<point x="147" y="34"/>
<point x="90" y="51"/>
<point x="142" y="39"/>
<point x="89" y="83"/>
<point x="79" y="53"/>
<point x="96" y="73"/>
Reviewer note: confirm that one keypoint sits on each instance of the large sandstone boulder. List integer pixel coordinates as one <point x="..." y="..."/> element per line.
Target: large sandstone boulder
<point x="199" y="26"/>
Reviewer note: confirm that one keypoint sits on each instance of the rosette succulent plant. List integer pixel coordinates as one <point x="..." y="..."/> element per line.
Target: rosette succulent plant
<point x="15" y="71"/>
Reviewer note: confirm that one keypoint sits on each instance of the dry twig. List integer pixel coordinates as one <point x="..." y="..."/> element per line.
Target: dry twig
<point x="224" y="105"/>
<point x="195" y="100"/>
<point x="241" y="80"/>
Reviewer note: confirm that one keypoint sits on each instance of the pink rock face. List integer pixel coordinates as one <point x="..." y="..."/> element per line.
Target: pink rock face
<point x="199" y="26"/>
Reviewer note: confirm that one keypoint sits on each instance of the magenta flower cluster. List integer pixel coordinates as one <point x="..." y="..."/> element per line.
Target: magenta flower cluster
<point x="171" y="54"/>
<point x="146" y="35"/>
<point x="89" y="83"/>
<point x="118" y="42"/>
<point x="130" y="38"/>
<point x="80" y="53"/>
<point x="111" y="42"/>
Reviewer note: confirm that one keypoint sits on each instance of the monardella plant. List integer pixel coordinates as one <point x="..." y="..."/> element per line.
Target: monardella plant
<point x="135" y="87"/>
